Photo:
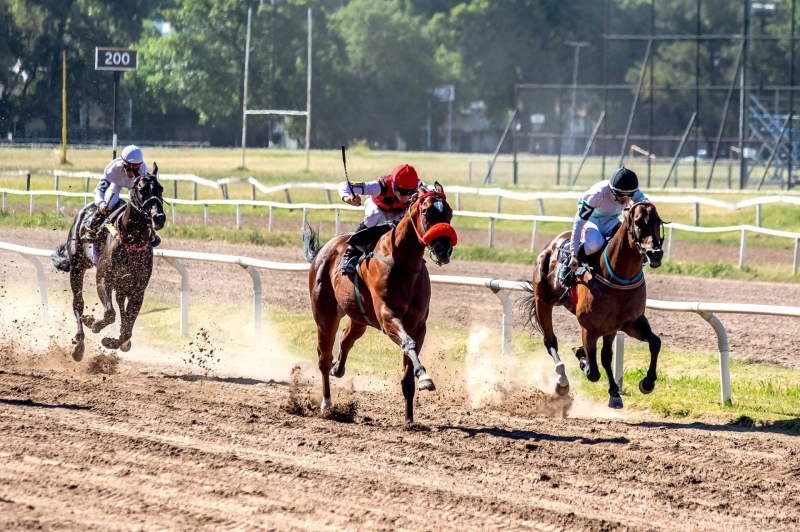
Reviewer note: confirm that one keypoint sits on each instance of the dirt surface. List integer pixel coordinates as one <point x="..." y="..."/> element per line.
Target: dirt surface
<point x="148" y="450"/>
<point x="136" y="442"/>
<point x="762" y="338"/>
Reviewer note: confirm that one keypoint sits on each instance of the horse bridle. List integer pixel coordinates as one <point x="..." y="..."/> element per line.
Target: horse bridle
<point x="142" y="204"/>
<point x="632" y="233"/>
<point x="437" y="196"/>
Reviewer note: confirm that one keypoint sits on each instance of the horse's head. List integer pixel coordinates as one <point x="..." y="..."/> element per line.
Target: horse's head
<point x="146" y="196"/>
<point x="432" y="222"/>
<point x="646" y="231"/>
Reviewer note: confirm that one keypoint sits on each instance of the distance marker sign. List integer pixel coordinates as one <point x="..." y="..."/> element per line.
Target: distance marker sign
<point x="119" y="59"/>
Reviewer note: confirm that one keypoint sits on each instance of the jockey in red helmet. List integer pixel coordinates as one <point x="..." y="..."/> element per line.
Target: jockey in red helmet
<point x="387" y="201"/>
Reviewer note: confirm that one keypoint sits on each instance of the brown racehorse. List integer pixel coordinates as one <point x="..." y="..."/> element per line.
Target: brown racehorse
<point x="390" y="290"/>
<point x="610" y="299"/>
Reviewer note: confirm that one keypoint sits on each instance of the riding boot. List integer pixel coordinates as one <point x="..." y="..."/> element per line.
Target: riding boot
<point x="93" y="226"/>
<point x="566" y="276"/>
<point x="155" y="241"/>
<point x="350" y="259"/>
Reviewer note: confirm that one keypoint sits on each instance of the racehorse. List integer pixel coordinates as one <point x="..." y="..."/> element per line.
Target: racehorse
<point x="610" y="299"/>
<point x="390" y="291"/>
<point x="124" y="265"/>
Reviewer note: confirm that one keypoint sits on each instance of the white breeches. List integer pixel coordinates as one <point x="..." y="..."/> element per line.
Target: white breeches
<point x="595" y="232"/>
<point x="373" y="215"/>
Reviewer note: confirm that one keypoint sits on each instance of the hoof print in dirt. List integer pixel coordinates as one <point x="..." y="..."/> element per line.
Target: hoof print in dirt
<point x="416" y="427"/>
<point x="344" y="412"/>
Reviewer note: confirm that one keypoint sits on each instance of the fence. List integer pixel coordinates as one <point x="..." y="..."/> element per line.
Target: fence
<point x="498" y="286"/>
<point x="491" y="217"/>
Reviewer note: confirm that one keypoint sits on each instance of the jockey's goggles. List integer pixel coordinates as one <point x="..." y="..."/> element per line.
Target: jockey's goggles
<point x="404" y="191"/>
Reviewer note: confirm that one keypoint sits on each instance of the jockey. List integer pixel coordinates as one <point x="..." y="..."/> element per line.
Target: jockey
<point x="598" y="217"/>
<point x="120" y="173"/>
<point x="389" y="197"/>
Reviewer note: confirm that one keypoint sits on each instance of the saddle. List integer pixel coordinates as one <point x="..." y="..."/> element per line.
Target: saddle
<point x="365" y="239"/>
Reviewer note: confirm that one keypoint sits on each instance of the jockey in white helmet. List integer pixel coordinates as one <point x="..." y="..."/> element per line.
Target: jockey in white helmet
<point x="120" y="173"/>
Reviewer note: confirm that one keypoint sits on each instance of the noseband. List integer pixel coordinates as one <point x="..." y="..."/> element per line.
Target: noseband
<point x="435" y="231"/>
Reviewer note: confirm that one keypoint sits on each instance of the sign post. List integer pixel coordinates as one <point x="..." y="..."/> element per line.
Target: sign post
<point x="447" y="93"/>
<point x="117" y="60"/>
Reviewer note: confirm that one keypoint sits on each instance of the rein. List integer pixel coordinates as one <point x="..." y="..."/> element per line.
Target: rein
<point x="627" y="284"/>
<point x="430" y="234"/>
<point x="141" y="209"/>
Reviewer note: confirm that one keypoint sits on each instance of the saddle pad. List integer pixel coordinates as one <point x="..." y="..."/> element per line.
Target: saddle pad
<point x="369" y="236"/>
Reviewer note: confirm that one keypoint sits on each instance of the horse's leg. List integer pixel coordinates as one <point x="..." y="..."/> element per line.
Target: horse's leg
<point x="76" y="283"/>
<point x="109" y="314"/>
<point x="128" y="314"/>
<point x="606" y="354"/>
<point x="352" y="332"/>
<point x="589" y="360"/>
<point x="640" y="329"/>
<point x="544" y="313"/>
<point x="407" y="382"/>
<point x="394" y="329"/>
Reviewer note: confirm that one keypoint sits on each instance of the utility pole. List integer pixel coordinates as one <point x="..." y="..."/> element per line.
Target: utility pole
<point x="64" y="107"/>
<point x="577" y="46"/>
<point x="244" y="94"/>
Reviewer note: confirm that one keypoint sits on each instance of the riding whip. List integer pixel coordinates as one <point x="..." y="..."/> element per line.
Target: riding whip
<point x="344" y="163"/>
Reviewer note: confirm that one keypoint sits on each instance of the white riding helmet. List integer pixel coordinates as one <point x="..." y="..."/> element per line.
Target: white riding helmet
<point x="132" y="155"/>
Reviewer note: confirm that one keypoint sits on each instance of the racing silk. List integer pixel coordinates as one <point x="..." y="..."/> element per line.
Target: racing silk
<point x="600" y="206"/>
<point x="381" y="191"/>
<point x="114" y="180"/>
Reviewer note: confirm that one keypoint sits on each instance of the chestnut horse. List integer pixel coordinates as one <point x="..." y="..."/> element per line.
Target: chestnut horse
<point x="390" y="291"/>
<point x="124" y="265"/>
<point x="610" y="299"/>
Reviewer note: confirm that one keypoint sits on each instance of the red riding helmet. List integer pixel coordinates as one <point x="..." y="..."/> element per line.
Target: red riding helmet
<point x="405" y="178"/>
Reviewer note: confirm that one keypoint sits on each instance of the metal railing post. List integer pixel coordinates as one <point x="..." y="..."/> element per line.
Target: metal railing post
<point x="507" y="323"/>
<point x="271" y="219"/>
<point x="619" y="358"/>
<point x="742" y="249"/>
<point x="499" y="203"/>
<point x="796" y="256"/>
<point x="238" y="216"/>
<point x="541" y="207"/>
<point x="305" y="219"/>
<point x="758" y="215"/>
<point x="338" y="221"/>
<point x="31" y="205"/>
<point x="328" y="195"/>
<point x="724" y="353"/>
<point x="491" y="232"/>
<point x="175" y="263"/>
<point x="42" y="282"/>
<point x="458" y="201"/>
<point x="696" y="214"/>
<point x="533" y="235"/>
<point x="174" y="214"/>
<point x="256" y="302"/>
<point x="669" y="243"/>
<point x="86" y="191"/>
<point x="58" y="203"/>
<point x="205" y="214"/>
<point x="5" y="198"/>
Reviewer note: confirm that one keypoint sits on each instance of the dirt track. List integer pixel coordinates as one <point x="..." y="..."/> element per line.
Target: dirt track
<point x="151" y="447"/>
<point x="140" y="450"/>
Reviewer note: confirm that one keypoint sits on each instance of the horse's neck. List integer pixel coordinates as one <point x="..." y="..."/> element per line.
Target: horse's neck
<point x="406" y="249"/>
<point x="133" y="224"/>
<point x="623" y="256"/>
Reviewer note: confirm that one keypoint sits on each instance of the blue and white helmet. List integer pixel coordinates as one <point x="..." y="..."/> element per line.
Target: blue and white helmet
<point x="132" y="155"/>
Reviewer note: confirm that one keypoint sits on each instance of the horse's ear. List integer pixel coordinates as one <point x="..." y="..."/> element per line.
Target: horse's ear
<point x="439" y="188"/>
<point x="155" y="168"/>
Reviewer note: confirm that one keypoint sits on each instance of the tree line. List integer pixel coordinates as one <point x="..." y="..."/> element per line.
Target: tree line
<point x="374" y="61"/>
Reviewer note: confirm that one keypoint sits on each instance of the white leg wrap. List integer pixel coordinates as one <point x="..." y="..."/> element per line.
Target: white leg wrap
<point x="326" y="404"/>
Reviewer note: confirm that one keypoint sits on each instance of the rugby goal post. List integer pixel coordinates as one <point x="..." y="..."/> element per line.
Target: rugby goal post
<point x="246" y="111"/>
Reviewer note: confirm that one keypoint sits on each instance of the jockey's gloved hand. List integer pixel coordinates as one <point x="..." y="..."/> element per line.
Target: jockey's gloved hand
<point x="354" y="200"/>
<point x="102" y="208"/>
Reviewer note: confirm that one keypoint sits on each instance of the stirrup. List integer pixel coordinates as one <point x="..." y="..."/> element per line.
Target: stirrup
<point x="349" y="264"/>
<point x="566" y="276"/>
<point x="155" y="241"/>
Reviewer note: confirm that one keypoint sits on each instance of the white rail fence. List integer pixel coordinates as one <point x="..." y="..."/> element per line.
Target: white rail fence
<point x="491" y="217"/>
<point x="499" y="287"/>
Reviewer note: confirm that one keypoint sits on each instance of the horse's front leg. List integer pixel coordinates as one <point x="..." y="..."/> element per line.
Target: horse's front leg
<point x="606" y="355"/>
<point x="109" y="314"/>
<point x="393" y="328"/>
<point x="76" y="283"/>
<point x="640" y="329"/>
<point x="128" y="314"/>
<point x="587" y="355"/>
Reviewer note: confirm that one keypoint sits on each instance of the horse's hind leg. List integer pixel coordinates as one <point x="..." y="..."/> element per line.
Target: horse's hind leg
<point x="128" y="313"/>
<point x="589" y="351"/>
<point x="606" y="354"/>
<point x="352" y="332"/>
<point x="640" y="329"/>
<point x="544" y="313"/>
<point x="76" y="283"/>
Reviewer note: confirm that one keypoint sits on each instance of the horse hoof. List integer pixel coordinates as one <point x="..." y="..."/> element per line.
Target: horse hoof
<point x="77" y="352"/>
<point x="584" y="365"/>
<point x="337" y="370"/>
<point x="110" y="343"/>
<point x="325" y="405"/>
<point x="643" y="387"/>
<point x="562" y="390"/>
<point x="96" y="327"/>
<point x="125" y="346"/>
<point x="615" y="402"/>
<point x="426" y="383"/>
<point x="87" y="320"/>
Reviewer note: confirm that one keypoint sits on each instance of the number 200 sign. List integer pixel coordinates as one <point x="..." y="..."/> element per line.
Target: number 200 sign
<point x="116" y="59"/>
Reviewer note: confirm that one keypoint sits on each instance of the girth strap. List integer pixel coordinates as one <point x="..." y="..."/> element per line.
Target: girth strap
<point x="378" y="256"/>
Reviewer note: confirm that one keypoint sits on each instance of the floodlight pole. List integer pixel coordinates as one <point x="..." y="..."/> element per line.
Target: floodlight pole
<point x="577" y="46"/>
<point x="308" y="96"/>
<point x="742" y="96"/>
<point x="244" y="95"/>
<point x="117" y="75"/>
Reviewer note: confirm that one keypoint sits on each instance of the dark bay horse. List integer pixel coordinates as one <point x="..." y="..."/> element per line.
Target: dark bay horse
<point x="390" y="291"/>
<point x="125" y="261"/>
<point x="609" y="300"/>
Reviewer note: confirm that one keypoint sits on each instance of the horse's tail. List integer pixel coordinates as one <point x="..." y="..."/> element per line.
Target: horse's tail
<point x="527" y="304"/>
<point x="310" y="243"/>
<point x="60" y="258"/>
